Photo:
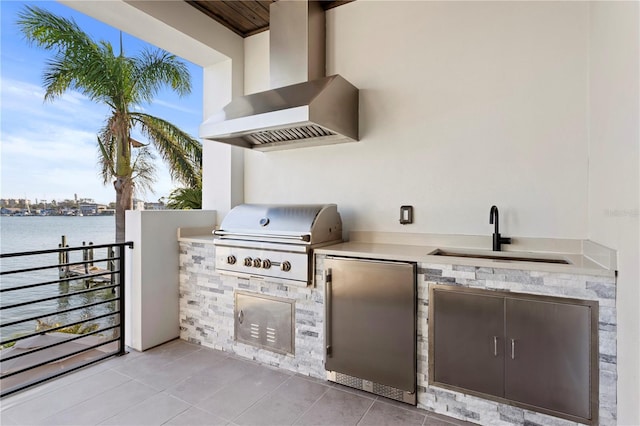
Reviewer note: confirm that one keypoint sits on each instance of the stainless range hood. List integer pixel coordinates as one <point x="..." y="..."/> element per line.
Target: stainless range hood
<point x="304" y="108"/>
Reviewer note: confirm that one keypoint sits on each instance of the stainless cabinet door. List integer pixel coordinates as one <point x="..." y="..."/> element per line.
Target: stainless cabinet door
<point x="467" y="345"/>
<point x="548" y="355"/>
<point x="264" y="321"/>
<point x="371" y="324"/>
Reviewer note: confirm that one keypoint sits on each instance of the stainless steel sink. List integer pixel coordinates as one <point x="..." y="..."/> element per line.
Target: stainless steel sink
<point x="503" y="256"/>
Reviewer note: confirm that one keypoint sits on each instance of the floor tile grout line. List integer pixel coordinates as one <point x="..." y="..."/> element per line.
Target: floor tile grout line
<point x="146" y="399"/>
<point x="38" y="391"/>
<point x="365" y="413"/>
<point x="311" y="406"/>
<point x="181" y="356"/>
<point x="189" y="406"/>
<point x="260" y="399"/>
<point x="104" y="390"/>
<point x="134" y="405"/>
<point x="218" y="391"/>
<point x="410" y="408"/>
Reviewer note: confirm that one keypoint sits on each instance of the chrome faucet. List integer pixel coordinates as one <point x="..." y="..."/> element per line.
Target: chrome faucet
<point x="497" y="239"/>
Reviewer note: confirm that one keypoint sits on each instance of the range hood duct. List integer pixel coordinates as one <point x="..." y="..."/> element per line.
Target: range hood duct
<point x="303" y="108"/>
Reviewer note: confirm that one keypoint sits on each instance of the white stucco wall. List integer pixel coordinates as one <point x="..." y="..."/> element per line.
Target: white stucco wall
<point x="152" y="287"/>
<point x="614" y="175"/>
<point x="462" y="105"/>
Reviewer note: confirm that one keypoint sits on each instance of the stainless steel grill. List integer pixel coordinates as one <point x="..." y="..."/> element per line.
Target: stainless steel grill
<point x="275" y="241"/>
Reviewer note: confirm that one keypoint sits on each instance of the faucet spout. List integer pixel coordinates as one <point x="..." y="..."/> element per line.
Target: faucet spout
<point x="494" y="219"/>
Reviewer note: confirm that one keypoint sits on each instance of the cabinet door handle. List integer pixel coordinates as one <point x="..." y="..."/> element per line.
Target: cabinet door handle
<point x="328" y="296"/>
<point x="240" y="316"/>
<point x="495" y="345"/>
<point x="513" y="348"/>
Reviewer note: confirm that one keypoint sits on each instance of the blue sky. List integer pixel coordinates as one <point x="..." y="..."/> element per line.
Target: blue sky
<point x="48" y="150"/>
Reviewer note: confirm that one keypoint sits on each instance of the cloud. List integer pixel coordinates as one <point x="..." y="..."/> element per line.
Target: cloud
<point x="177" y="107"/>
<point x="48" y="150"/>
<point x="24" y="102"/>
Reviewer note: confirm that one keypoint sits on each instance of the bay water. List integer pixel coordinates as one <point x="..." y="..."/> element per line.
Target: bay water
<point x="31" y="233"/>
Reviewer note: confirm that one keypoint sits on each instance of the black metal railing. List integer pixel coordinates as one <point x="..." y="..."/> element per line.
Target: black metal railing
<point x="58" y="315"/>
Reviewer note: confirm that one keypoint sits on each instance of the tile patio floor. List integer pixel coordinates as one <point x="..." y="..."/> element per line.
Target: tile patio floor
<point x="184" y="384"/>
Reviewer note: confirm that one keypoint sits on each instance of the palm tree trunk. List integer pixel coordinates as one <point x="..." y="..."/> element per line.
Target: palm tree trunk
<point x="123" y="183"/>
<point x="124" y="201"/>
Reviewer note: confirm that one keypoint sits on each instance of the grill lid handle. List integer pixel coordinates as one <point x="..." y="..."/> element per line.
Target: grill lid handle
<point x="227" y="234"/>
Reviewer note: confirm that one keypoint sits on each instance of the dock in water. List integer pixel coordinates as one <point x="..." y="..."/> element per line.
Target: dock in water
<point x="86" y="271"/>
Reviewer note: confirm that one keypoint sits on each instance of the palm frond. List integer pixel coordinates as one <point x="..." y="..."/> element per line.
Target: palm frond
<point x="144" y="170"/>
<point x="155" y="69"/>
<point x="51" y="32"/>
<point x="106" y="153"/>
<point x="180" y="151"/>
<point x="78" y="62"/>
<point x="185" y="199"/>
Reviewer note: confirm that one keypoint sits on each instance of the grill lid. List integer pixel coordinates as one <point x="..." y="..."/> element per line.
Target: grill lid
<point x="294" y="223"/>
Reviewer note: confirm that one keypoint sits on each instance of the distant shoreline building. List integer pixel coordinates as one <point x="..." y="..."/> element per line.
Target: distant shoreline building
<point x="75" y="207"/>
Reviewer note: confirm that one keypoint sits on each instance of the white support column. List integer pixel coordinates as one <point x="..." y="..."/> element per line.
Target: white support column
<point x="223" y="165"/>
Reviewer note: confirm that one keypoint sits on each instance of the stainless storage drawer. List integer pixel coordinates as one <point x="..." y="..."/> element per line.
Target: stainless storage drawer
<point x="265" y="321"/>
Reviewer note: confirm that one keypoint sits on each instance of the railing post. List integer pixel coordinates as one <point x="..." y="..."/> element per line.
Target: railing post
<point x="110" y="263"/>
<point x="85" y="257"/>
<point x="122" y="304"/>
<point x="63" y="257"/>
<point x="60" y="262"/>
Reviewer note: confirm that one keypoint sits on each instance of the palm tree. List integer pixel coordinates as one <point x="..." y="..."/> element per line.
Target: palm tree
<point x="121" y="83"/>
<point x="186" y="198"/>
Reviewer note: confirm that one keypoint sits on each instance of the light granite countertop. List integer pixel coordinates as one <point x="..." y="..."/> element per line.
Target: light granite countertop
<point x="584" y="257"/>
<point x="578" y="263"/>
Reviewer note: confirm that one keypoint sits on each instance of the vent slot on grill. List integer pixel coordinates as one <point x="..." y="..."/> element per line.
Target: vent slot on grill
<point x="265" y="322"/>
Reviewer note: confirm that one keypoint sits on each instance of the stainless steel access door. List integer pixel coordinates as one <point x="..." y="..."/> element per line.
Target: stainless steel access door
<point x="548" y="362"/>
<point x="265" y="321"/>
<point x="371" y="321"/>
<point x="467" y="340"/>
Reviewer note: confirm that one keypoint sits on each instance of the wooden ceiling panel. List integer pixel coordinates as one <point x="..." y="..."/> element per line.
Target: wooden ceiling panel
<point x="245" y="18"/>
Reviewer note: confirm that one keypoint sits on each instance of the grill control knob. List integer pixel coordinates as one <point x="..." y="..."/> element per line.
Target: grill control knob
<point x="231" y="259"/>
<point x="257" y="262"/>
<point x="285" y="266"/>
<point x="248" y="261"/>
<point x="266" y="264"/>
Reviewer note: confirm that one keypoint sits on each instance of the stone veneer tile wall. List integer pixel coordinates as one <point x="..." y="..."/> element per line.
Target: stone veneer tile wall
<point x="206" y="318"/>
<point x="478" y="410"/>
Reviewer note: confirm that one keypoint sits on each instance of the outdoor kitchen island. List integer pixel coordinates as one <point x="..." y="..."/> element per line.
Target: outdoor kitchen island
<point x="207" y="310"/>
